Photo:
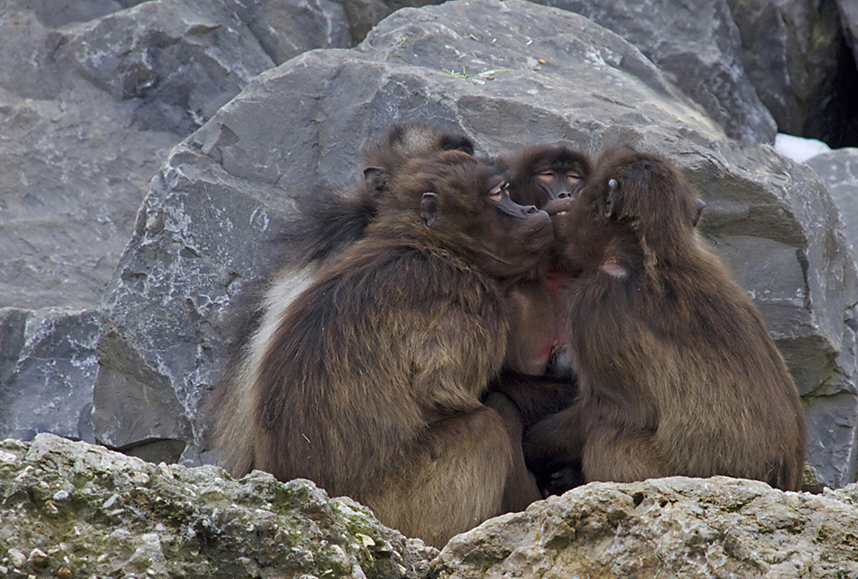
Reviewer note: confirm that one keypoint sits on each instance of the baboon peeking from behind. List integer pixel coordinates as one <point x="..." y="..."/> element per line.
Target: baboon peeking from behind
<point x="370" y="383"/>
<point x="547" y="176"/>
<point x="677" y="372"/>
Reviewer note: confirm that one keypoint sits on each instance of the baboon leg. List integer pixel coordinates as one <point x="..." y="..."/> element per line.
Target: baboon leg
<point x="610" y="455"/>
<point x="450" y="480"/>
<point x="521" y="489"/>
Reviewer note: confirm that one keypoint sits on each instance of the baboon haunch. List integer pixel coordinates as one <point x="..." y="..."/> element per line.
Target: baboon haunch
<point x="370" y="383"/>
<point x="677" y="373"/>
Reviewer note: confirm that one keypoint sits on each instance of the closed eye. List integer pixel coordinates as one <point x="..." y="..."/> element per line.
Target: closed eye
<point x="547" y="175"/>
<point x="497" y="192"/>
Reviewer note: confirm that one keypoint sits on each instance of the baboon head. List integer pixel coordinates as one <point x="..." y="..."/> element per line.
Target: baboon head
<point x="464" y="205"/>
<point x="634" y="206"/>
<point x="545" y="173"/>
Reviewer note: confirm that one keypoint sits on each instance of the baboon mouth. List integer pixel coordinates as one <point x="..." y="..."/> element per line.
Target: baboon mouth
<point x="558" y="206"/>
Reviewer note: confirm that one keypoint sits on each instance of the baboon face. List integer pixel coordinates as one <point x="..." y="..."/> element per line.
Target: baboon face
<point x="546" y="173"/>
<point x="633" y="203"/>
<point x="466" y="200"/>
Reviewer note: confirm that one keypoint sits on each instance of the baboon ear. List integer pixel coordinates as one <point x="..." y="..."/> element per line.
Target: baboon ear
<point x="374" y="178"/>
<point x="612" y="201"/>
<point x="429" y="208"/>
<point x="700" y="207"/>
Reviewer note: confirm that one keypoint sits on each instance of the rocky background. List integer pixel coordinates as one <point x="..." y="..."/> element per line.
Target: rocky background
<point x="152" y="150"/>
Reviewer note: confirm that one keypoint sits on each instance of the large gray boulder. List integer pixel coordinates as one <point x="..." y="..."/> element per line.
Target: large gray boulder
<point x="537" y="74"/>
<point x="92" y="98"/>
<point x="89" y="111"/>
<point x="698" y="48"/>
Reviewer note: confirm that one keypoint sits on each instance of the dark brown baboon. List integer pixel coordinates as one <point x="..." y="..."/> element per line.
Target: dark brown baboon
<point x="547" y="176"/>
<point x="538" y="379"/>
<point x="677" y="374"/>
<point x="369" y="382"/>
<point x="330" y="223"/>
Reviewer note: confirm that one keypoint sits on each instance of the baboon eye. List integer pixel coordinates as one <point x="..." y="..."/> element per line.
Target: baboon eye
<point x="547" y="175"/>
<point x="573" y="176"/>
<point x="496" y="194"/>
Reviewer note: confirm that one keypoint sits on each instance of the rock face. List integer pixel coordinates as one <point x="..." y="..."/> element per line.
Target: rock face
<point x="92" y="96"/>
<point x="54" y="397"/>
<point x="661" y="528"/>
<point x="698" y="48"/>
<point x="849" y="19"/>
<point x="839" y="171"/>
<point x="798" y="58"/>
<point x="89" y="111"/>
<point x="70" y="509"/>
<point x="538" y="75"/>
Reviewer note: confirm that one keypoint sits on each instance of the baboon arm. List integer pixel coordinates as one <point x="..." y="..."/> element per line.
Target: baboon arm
<point x="454" y="476"/>
<point x="557" y="440"/>
<point x="535" y="397"/>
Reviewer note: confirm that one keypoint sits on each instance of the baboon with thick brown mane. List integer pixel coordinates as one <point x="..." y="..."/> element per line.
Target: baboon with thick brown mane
<point x="677" y="372"/>
<point x="369" y="385"/>
<point x="330" y="223"/>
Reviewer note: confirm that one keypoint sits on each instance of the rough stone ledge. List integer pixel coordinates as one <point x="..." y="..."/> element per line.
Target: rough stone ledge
<point x="71" y="509"/>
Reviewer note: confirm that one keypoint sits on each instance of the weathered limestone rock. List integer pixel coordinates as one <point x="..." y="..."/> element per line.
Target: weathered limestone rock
<point x="70" y="509"/>
<point x="698" y="48"/>
<point x="665" y="528"/>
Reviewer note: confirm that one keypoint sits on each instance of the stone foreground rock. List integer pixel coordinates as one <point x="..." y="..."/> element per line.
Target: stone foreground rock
<point x="70" y="509"/>
<point x="664" y="528"/>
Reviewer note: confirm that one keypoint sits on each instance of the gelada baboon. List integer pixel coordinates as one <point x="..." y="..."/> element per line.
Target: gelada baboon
<point x="547" y="176"/>
<point x="369" y="385"/>
<point x="677" y="374"/>
<point x="538" y="380"/>
<point x="331" y="222"/>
